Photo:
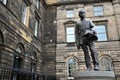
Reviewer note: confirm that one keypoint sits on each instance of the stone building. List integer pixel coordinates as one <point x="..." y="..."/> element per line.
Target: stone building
<point x="22" y="27"/>
<point x="37" y="39"/>
<point x="106" y="16"/>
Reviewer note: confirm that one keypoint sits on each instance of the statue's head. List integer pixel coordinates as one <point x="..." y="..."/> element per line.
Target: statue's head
<point x="81" y="13"/>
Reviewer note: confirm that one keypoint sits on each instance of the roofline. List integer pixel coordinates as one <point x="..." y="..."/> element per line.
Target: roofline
<point x="76" y="2"/>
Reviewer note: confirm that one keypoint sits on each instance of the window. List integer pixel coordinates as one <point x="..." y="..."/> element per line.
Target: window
<point x="20" y="48"/>
<point x="33" y="62"/>
<point x="71" y="66"/>
<point x="37" y="4"/>
<point x="105" y="64"/>
<point x="101" y="32"/>
<point x="24" y="12"/>
<point x="1" y="42"/>
<point x="1" y="38"/>
<point x="69" y="14"/>
<point x="18" y="59"/>
<point x="98" y="10"/>
<point x="36" y="28"/>
<point x="4" y="1"/>
<point x="70" y="34"/>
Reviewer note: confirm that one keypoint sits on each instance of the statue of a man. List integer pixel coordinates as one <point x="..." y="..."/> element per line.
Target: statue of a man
<point x="85" y="38"/>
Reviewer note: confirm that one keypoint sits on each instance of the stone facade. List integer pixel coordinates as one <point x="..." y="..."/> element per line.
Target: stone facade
<point x="49" y="43"/>
<point x="47" y="54"/>
<point x="20" y="48"/>
<point x="109" y="48"/>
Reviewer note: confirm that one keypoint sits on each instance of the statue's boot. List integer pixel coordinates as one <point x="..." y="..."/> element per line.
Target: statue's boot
<point x="96" y="67"/>
<point x="89" y="68"/>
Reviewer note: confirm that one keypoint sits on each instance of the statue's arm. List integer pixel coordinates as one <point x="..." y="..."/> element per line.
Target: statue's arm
<point x="76" y="31"/>
<point x="92" y="24"/>
<point x="77" y="36"/>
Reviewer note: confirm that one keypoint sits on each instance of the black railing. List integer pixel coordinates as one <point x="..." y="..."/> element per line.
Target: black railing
<point x="7" y="72"/>
<point x="16" y="74"/>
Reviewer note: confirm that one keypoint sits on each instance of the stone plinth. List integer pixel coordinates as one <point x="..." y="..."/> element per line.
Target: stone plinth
<point x="94" y="75"/>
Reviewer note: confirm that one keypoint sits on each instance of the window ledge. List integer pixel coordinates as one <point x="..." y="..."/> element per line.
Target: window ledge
<point x="70" y="44"/>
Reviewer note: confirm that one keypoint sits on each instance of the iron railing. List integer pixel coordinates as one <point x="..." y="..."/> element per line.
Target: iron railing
<point x="17" y="74"/>
<point x="7" y="72"/>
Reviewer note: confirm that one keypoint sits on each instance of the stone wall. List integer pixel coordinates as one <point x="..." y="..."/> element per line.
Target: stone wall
<point x="49" y="42"/>
<point x="15" y="33"/>
<point x="110" y="48"/>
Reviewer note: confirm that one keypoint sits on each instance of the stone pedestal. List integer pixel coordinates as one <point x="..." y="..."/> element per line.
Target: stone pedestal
<point x="94" y="75"/>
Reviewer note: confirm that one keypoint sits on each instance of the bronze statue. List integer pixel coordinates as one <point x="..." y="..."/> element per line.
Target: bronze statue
<point x="85" y="38"/>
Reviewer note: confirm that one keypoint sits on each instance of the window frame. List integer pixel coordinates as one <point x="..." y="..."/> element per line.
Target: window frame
<point x="69" y="12"/>
<point x="24" y="14"/>
<point x="1" y="42"/>
<point x="33" y="62"/>
<point x="18" y="59"/>
<point x="103" y="66"/>
<point x="4" y="2"/>
<point x="98" y="11"/>
<point x="36" y="28"/>
<point x="75" y="66"/>
<point x="105" y="32"/>
<point x="1" y="38"/>
<point x="38" y="4"/>
<point x="20" y="48"/>
<point x="71" y="26"/>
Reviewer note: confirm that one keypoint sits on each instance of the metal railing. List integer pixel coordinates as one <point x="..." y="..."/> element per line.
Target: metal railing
<point x="17" y="74"/>
<point x="7" y="72"/>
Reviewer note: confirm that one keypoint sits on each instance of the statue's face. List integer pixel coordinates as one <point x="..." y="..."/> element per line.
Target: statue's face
<point x="82" y="14"/>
